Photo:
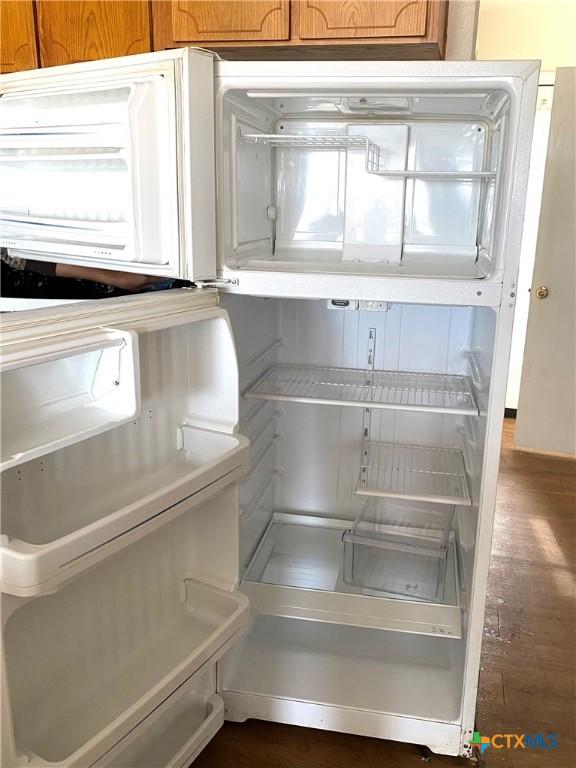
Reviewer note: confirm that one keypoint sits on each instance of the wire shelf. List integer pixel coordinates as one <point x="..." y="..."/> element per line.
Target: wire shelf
<point x="375" y="157"/>
<point x="399" y="390"/>
<point x="413" y="472"/>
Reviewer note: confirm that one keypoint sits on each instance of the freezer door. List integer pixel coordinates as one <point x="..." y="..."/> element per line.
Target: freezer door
<point x="110" y="164"/>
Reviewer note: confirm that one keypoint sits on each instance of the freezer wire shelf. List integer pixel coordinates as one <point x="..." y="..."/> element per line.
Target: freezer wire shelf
<point x="375" y="156"/>
<point x="441" y="393"/>
<point x="413" y="472"/>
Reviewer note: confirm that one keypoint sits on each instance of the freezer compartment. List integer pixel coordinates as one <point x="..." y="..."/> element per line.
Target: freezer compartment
<point x="58" y="391"/>
<point x="365" y="180"/>
<point x="288" y="664"/>
<point x="67" y="510"/>
<point x="300" y="570"/>
<point x="176" y="732"/>
<point x="120" y="639"/>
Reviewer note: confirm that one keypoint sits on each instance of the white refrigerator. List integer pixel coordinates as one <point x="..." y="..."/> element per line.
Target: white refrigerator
<point x="271" y="495"/>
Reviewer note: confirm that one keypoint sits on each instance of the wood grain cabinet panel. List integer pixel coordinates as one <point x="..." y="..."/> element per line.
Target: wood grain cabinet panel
<point x="17" y="36"/>
<point x="329" y="19"/>
<point x="74" y="30"/>
<point x="196" y="21"/>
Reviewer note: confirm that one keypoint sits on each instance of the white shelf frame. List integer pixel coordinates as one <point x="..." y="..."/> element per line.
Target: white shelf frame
<point x="421" y="473"/>
<point x="373" y="610"/>
<point x="397" y="390"/>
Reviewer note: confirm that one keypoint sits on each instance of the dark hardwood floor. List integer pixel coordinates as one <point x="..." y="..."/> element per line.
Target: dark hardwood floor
<point x="528" y="666"/>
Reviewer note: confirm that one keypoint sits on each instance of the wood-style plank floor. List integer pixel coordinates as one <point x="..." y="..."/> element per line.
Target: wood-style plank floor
<point x="528" y="667"/>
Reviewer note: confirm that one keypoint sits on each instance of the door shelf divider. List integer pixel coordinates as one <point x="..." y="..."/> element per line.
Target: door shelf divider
<point x="413" y="472"/>
<point x="397" y="390"/>
<point x="297" y="572"/>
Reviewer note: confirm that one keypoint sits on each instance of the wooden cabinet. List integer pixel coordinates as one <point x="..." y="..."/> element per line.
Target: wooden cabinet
<point x="319" y="29"/>
<point x="17" y="36"/>
<point x="74" y="30"/>
<point x="327" y="19"/>
<point x="48" y="32"/>
<point x="192" y="21"/>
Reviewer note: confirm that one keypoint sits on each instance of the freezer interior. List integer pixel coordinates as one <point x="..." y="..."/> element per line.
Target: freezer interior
<point x="374" y="182"/>
<point x="361" y="506"/>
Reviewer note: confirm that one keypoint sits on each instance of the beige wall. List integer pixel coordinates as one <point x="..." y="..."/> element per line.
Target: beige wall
<point x="528" y="29"/>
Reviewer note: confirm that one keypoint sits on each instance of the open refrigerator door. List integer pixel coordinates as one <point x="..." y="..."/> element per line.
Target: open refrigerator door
<point x="119" y="543"/>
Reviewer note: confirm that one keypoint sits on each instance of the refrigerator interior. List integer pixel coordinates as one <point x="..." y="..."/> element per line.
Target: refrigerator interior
<point x="375" y="183"/>
<point x="317" y="496"/>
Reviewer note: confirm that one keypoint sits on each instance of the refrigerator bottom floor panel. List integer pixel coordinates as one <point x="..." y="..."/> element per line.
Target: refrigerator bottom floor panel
<point x="393" y="674"/>
<point x="298" y="569"/>
<point x="442" y="738"/>
<point x="176" y="732"/>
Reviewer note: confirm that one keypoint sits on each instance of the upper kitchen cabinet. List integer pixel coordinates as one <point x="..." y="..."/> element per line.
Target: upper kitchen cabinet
<point x="74" y="30"/>
<point x="17" y="36"/>
<point x="203" y="20"/>
<point x="305" y="29"/>
<point x="325" y="19"/>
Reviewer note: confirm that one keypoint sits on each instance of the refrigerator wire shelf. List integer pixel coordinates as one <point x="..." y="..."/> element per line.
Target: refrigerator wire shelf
<point x="440" y="393"/>
<point x="374" y="153"/>
<point x="413" y="472"/>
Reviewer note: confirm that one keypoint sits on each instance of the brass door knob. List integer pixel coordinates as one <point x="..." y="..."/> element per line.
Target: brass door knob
<point x="542" y="292"/>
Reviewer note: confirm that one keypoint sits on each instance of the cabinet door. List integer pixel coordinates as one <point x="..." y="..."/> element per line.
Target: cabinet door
<point x="17" y="36"/>
<point x="74" y="30"/>
<point x="325" y="19"/>
<point x="197" y="20"/>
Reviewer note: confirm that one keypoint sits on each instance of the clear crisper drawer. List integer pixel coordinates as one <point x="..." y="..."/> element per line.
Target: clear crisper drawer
<point x="406" y="523"/>
<point x="399" y="547"/>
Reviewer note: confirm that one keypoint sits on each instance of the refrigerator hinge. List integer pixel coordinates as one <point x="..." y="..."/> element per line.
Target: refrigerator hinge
<point x="220" y="282"/>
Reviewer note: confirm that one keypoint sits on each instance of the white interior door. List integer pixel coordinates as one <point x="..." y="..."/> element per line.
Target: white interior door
<point x="546" y="418"/>
<point x="529" y="239"/>
<point x="111" y="163"/>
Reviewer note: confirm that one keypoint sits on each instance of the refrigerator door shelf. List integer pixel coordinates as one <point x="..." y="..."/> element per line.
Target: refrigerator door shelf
<point x="176" y="731"/>
<point x="109" y="164"/>
<point x="65" y="388"/>
<point x="173" y="733"/>
<point x="202" y="464"/>
<point x="297" y="572"/>
<point x="210" y="622"/>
